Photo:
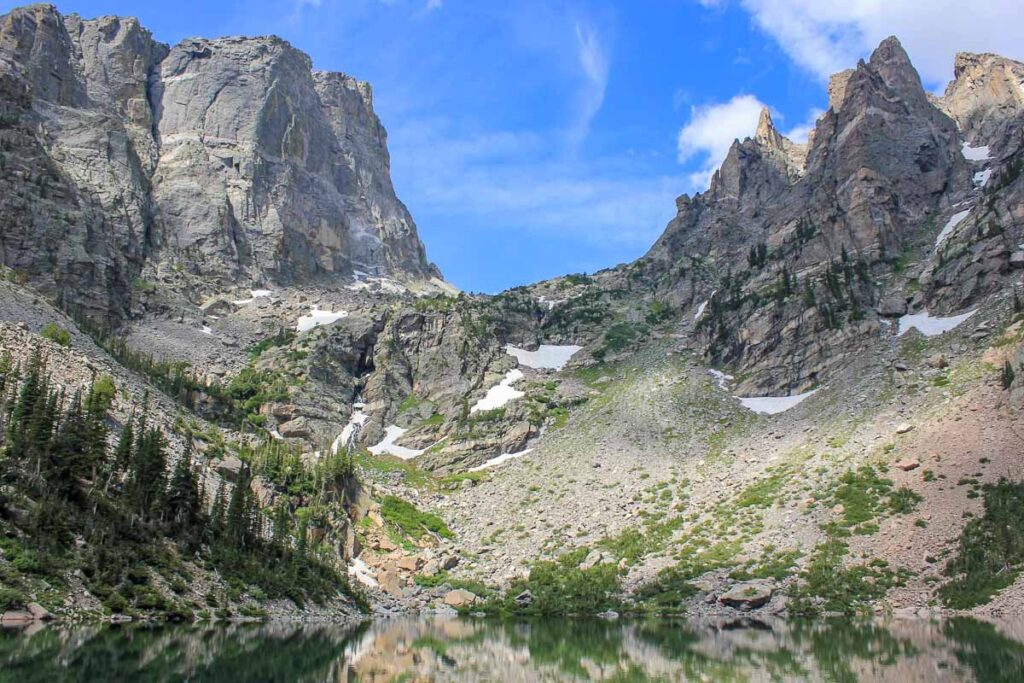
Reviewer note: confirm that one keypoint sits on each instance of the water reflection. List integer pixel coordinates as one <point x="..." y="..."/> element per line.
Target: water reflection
<point x="443" y="649"/>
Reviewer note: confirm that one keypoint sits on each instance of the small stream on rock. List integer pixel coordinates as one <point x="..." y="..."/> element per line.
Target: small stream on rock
<point x="463" y="649"/>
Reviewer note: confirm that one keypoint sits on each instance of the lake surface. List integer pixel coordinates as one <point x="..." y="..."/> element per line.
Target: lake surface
<point x="450" y="649"/>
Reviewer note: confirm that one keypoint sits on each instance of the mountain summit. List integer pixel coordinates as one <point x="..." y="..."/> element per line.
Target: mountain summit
<point x="209" y="164"/>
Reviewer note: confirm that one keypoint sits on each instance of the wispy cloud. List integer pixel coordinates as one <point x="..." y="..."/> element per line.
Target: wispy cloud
<point x="434" y="4"/>
<point x="825" y="36"/>
<point x="514" y="181"/>
<point x="711" y="131"/>
<point x="593" y="60"/>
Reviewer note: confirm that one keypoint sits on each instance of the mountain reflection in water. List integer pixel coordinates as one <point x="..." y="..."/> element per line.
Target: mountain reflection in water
<point x="450" y="649"/>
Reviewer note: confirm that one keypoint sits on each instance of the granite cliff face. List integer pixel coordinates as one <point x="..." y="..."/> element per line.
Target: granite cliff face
<point x="210" y="164"/>
<point x="800" y="250"/>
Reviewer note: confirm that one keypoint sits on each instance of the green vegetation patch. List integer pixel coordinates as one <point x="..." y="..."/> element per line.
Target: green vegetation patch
<point x="410" y="520"/>
<point x="991" y="550"/>
<point x="828" y="585"/>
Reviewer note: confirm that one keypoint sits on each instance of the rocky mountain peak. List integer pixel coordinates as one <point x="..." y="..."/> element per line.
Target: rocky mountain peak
<point x="987" y="92"/>
<point x="766" y="133"/>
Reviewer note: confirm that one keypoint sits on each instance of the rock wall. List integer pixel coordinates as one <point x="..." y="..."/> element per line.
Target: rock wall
<point x="212" y="163"/>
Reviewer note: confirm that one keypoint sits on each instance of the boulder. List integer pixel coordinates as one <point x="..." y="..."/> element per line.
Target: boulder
<point x="390" y="582"/>
<point x="747" y="595"/>
<point x="410" y="563"/>
<point x="592" y="559"/>
<point x="298" y="428"/>
<point x="1017" y="259"/>
<point x="904" y="428"/>
<point x="38" y="612"/>
<point x="15" y="617"/>
<point x="230" y="467"/>
<point x="524" y="599"/>
<point x="460" y="598"/>
<point x="907" y="464"/>
<point x="892" y="307"/>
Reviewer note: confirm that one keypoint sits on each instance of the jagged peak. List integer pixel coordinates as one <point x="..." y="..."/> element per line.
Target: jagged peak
<point x="890" y="51"/>
<point x="765" y="126"/>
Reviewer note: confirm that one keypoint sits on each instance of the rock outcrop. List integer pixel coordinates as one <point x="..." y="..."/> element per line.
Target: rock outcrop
<point x="783" y="228"/>
<point x="212" y="163"/>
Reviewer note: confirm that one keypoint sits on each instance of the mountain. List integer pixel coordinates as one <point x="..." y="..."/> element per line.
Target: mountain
<point x="210" y="163"/>
<point x="804" y="398"/>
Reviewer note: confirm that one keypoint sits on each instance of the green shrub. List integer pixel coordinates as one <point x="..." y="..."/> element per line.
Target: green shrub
<point x="990" y="554"/>
<point x="56" y="334"/>
<point x="409" y="520"/>
<point x="827" y="585"/>
<point x="560" y="587"/>
<point x="11" y="598"/>
<point x="903" y="501"/>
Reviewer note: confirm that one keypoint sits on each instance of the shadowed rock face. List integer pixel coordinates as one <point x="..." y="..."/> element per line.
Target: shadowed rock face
<point x="227" y="160"/>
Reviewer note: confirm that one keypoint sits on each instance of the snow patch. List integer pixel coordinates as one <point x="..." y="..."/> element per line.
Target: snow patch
<point x="975" y="153"/>
<point x="316" y="318"/>
<point x="253" y="295"/>
<point x="953" y="221"/>
<point x="700" y="309"/>
<point x="207" y="329"/>
<point x="546" y="356"/>
<point x="501" y="393"/>
<point x="929" y="326"/>
<point x="504" y="457"/>
<point x="981" y="177"/>
<point x="772" y="405"/>
<point x="721" y="379"/>
<point x="361" y="572"/>
<point x="388" y="446"/>
<point x="277" y="435"/>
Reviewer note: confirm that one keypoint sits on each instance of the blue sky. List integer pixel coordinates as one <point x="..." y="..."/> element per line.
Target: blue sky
<point x="531" y="139"/>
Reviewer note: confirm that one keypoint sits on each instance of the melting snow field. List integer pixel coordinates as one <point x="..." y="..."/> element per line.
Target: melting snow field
<point x="953" y="221"/>
<point x="356" y="421"/>
<point x="504" y="457"/>
<point x="772" y="405"/>
<point x="392" y="434"/>
<point x="546" y="356"/>
<point x="929" y="326"/>
<point x="981" y="177"/>
<point x="501" y="393"/>
<point x="975" y="153"/>
<point x="253" y="295"/>
<point x="316" y="318"/>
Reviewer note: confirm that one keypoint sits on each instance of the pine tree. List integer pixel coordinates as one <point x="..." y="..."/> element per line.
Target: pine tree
<point x="149" y="473"/>
<point x="97" y="406"/>
<point x="181" y="505"/>
<point x="282" y="524"/>
<point x="238" y="522"/>
<point x="219" y="511"/>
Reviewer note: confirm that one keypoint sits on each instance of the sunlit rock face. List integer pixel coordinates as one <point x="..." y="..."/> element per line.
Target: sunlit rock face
<point x="228" y="160"/>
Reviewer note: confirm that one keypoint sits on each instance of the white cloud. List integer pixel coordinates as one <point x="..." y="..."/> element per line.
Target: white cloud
<point x="799" y="132"/>
<point x="711" y="131"/>
<point x="825" y="36"/>
<point x="434" y="4"/>
<point x="593" y="60"/>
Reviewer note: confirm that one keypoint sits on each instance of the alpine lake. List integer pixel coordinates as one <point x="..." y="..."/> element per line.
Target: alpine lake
<point x="466" y="649"/>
